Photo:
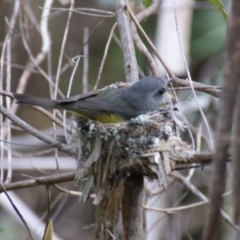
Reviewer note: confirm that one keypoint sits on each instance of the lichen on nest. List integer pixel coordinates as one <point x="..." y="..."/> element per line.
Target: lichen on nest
<point x="108" y="153"/>
<point x="130" y="145"/>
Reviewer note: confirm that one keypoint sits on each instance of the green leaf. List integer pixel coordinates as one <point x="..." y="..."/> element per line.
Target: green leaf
<point x="221" y="8"/>
<point x="49" y="232"/>
<point x="147" y="3"/>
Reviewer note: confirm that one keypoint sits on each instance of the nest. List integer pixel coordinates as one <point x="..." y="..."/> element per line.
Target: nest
<point x="108" y="153"/>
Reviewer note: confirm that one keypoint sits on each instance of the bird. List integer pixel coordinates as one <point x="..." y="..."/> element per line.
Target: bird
<point x="110" y="105"/>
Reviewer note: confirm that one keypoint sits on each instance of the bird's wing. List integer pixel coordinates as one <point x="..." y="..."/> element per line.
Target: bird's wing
<point x="78" y="97"/>
<point x="90" y="107"/>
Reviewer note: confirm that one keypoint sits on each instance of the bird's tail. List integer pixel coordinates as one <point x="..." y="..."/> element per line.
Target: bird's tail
<point x="36" y="101"/>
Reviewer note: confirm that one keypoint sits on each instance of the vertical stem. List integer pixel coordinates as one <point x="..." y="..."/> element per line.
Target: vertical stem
<point x="132" y="211"/>
<point x="130" y="62"/>
<point x="224" y="125"/>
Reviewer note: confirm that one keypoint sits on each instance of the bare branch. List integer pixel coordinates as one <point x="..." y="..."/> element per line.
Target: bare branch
<point x="228" y="105"/>
<point x="150" y="42"/>
<point x="72" y="193"/>
<point x="62" y="49"/>
<point x="17" y="211"/>
<point x="38" y="181"/>
<point x="36" y="133"/>
<point x="130" y="62"/>
<point x="195" y="191"/>
<point x="104" y="56"/>
<point x="184" y="84"/>
<point x="190" y="81"/>
<point x="140" y="45"/>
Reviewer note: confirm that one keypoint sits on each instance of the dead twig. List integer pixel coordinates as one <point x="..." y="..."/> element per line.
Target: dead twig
<point x="38" y="181"/>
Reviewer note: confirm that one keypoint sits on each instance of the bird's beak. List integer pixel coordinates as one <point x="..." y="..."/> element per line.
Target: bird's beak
<point x="169" y="81"/>
<point x="167" y="98"/>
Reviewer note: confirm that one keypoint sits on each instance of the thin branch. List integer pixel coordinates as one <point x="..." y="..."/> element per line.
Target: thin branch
<point x="199" y="194"/>
<point x="184" y="118"/>
<point x="93" y="12"/>
<point x="140" y="45"/>
<point x="76" y="61"/>
<point x="144" y="51"/>
<point x="149" y="42"/>
<point x="41" y="55"/>
<point x="8" y="85"/>
<point x="56" y="87"/>
<point x="51" y="117"/>
<point x="175" y="209"/>
<point x="41" y="110"/>
<point x="176" y="81"/>
<point x="36" y="133"/>
<point x="104" y="56"/>
<point x="38" y="181"/>
<point x="190" y="79"/>
<point x="16" y="210"/>
<point x="85" y="60"/>
<point x="2" y="133"/>
<point x="182" y="84"/>
<point x="72" y="193"/>
<point x="62" y="49"/>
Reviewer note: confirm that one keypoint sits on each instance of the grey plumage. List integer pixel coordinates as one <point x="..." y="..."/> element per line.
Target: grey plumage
<point x="143" y="96"/>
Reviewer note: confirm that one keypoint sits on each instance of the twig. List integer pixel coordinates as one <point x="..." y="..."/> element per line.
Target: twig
<point x="176" y="81"/>
<point x="43" y="111"/>
<point x="38" y="181"/>
<point x="48" y="208"/>
<point x="109" y="157"/>
<point x="72" y="193"/>
<point x="51" y="117"/>
<point x="35" y="62"/>
<point x="32" y="17"/>
<point x="85" y="60"/>
<point x="212" y="90"/>
<point x="104" y="56"/>
<point x="76" y="61"/>
<point x="62" y="49"/>
<point x="140" y="45"/>
<point x="93" y="12"/>
<point x="34" y="132"/>
<point x="190" y="79"/>
<point x="149" y="42"/>
<point x="22" y="67"/>
<point x="189" y="185"/>
<point x="16" y="210"/>
<point x="56" y="87"/>
<point x="195" y="191"/>
<point x="35" y="154"/>
<point x="184" y="118"/>
<point x="40" y="57"/>
<point x="144" y="51"/>
<point x="148" y="11"/>
<point x="175" y="209"/>
<point x="8" y="85"/>
<point x="2" y="134"/>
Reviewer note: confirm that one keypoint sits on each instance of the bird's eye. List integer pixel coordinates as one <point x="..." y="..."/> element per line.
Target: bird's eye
<point x="161" y="91"/>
